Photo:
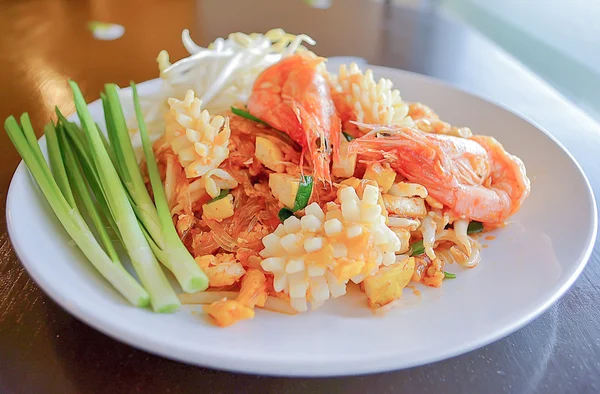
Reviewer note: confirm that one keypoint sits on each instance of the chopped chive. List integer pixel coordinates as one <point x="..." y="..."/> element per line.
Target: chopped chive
<point x="246" y="114"/>
<point x="221" y="195"/>
<point x="304" y="192"/>
<point x="474" y="227"/>
<point x="417" y="248"/>
<point x="302" y="197"/>
<point x="285" y="213"/>
<point x="448" y="275"/>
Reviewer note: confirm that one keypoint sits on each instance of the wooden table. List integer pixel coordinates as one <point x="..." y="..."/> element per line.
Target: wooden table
<point x="45" y="350"/>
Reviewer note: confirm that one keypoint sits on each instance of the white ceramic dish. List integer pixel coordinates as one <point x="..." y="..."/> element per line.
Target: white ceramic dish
<point x="527" y="268"/>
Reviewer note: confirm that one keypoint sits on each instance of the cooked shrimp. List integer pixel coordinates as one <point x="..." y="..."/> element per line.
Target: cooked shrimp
<point x="293" y="96"/>
<point x="475" y="177"/>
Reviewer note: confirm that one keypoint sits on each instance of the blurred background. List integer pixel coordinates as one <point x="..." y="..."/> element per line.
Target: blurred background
<point x="558" y="39"/>
<point x="45" y="42"/>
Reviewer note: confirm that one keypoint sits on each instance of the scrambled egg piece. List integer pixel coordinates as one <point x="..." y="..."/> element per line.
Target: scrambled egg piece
<point x="222" y="269"/>
<point x="252" y="293"/>
<point x="387" y="283"/>
<point x="254" y="289"/>
<point x="227" y="312"/>
<point x="382" y="174"/>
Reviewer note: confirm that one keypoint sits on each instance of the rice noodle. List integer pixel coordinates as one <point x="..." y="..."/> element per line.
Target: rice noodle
<point x="456" y="254"/>
<point x="428" y="229"/>
<point x="220" y="236"/>
<point x="460" y="229"/>
<point x="411" y="224"/>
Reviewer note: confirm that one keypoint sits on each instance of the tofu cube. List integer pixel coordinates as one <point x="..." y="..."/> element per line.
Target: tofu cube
<point x="345" y="164"/>
<point x="269" y="154"/>
<point x="384" y="176"/>
<point x="220" y="209"/>
<point x="387" y="283"/>
<point x="284" y="187"/>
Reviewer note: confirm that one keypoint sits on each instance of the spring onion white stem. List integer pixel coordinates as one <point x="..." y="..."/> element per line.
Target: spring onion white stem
<point x="162" y="296"/>
<point x="173" y="253"/>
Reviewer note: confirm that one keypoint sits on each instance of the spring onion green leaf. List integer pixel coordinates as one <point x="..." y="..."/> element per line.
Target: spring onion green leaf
<point x="474" y="227"/>
<point x="448" y="275"/>
<point x="285" y="213"/>
<point x="162" y="296"/>
<point x="81" y="191"/>
<point x="221" y="195"/>
<point x="173" y="254"/>
<point x="417" y="248"/>
<point x="246" y="114"/>
<point x="24" y="141"/>
<point x="56" y="163"/>
<point x="304" y="192"/>
<point x="76" y="139"/>
<point x="302" y="197"/>
<point x="348" y="136"/>
<point x="127" y="164"/>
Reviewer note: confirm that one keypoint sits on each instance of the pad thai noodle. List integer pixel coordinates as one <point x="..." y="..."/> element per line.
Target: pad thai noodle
<point x="288" y="183"/>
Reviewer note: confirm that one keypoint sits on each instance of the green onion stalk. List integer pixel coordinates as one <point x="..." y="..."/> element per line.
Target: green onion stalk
<point x="58" y="193"/>
<point x="162" y="296"/>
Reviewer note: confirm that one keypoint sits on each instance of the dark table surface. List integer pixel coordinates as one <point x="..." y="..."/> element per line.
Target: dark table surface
<point x="42" y="43"/>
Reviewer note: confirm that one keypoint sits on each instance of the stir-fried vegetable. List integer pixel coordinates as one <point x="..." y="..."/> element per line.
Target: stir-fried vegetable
<point x="417" y="248"/>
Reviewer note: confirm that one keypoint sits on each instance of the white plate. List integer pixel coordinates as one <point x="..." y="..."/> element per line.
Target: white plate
<point x="527" y="268"/>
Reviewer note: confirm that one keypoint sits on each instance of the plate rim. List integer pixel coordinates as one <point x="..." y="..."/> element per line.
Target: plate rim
<point x="116" y="332"/>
